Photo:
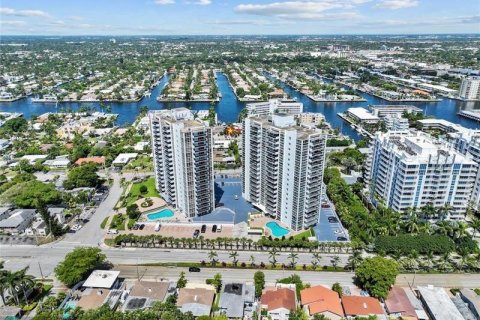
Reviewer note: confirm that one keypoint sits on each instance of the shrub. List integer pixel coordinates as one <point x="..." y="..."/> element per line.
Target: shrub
<point x="143" y="189"/>
<point x="422" y="243"/>
<point x="377" y="275"/>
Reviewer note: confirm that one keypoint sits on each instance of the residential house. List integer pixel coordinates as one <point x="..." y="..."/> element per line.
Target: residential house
<point x="143" y="294"/>
<point x="196" y="298"/>
<point x="323" y="301"/>
<point x="97" y="289"/>
<point x="359" y="306"/>
<point x="398" y="304"/>
<point x="279" y="302"/>
<point x="18" y="221"/>
<point x="234" y="298"/>
<point x="97" y="160"/>
<point x="438" y="304"/>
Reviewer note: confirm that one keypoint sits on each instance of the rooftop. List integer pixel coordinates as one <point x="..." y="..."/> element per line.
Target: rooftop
<point x="398" y="302"/>
<point x="92" y="298"/>
<point x="196" y="300"/>
<point x="279" y="298"/>
<point x="361" y="306"/>
<point x="101" y="279"/>
<point x="150" y="289"/>
<point x="320" y="299"/>
<point x="439" y="303"/>
<point x="362" y="114"/>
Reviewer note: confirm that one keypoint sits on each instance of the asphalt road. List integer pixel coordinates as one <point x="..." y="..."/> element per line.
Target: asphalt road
<point x="314" y="278"/>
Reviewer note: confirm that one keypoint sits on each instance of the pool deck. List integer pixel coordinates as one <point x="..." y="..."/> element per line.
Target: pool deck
<point x="259" y="220"/>
<point x="158" y="203"/>
<point x="182" y="230"/>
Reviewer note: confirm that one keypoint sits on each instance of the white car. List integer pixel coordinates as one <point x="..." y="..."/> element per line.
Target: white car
<point x="112" y="231"/>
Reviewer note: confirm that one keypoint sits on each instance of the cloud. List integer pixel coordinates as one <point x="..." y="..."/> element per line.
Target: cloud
<point x="397" y="4"/>
<point x="164" y="2"/>
<point x="308" y="10"/>
<point x="249" y="22"/>
<point x="13" y="23"/>
<point x="203" y="2"/>
<point x="422" y="22"/>
<point x="23" y="13"/>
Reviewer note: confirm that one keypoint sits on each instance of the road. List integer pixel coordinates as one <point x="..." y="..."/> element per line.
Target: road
<point x="91" y="234"/>
<point x="47" y="257"/>
<point x="314" y="278"/>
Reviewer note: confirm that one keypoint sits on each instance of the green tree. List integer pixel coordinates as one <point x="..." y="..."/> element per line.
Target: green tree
<point x="217" y="282"/>
<point x="182" y="281"/>
<point x="259" y="281"/>
<point x="337" y="288"/>
<point x="132" y="211"/>
<point x="377" y="275"/>
<point x="83" y="176"/>
<point x="234" y="256"/>
<point x="78" y="264"/>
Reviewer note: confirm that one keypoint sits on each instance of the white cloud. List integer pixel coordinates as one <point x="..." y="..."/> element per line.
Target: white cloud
<point x="203" y="2"/>
<point x="308" y="10"/>
<point x="164" y="2"/>
<point x="23" y="13"/>
<point x="397" y="4"/>
<point x="13" y="23"/>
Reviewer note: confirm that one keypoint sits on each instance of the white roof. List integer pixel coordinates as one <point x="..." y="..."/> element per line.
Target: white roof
<point x="101" y="279"/>
<point x="124" y="158"/>
<point x="439" y="304"/>
<point x="362" y="114"/>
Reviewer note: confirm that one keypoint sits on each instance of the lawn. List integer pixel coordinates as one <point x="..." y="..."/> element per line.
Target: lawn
<point x="118" y="222"/>
<point x="306" y="234"/>
<point x="143" y="162"/>
<point x="104" y="223"/>
<point x="135" y="193"/>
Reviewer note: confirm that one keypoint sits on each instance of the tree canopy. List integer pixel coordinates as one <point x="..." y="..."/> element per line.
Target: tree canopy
<point x="78" y="264"/>
<point x="83" y="176"/>
<point x="377" y="275"/>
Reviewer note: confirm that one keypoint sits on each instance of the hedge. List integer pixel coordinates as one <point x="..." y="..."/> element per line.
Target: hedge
<point x="422" y="243"/>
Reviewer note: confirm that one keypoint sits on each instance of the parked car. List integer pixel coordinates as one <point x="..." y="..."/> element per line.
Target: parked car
<point x="219" y="229"/>
<point x="194" y="269"/>
<point x="196" y="233"/>
<point x="333" y="219"/>
<point x="112" y="231"/>
<point x="214" y="228"/>
<point x="342" y="239"/>
<point x="142" y="226"/>
<point x="204" y="228"/>
<point x="135" y="227"/>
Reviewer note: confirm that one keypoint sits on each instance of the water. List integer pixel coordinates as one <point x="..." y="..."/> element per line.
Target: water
<point x="277" y="230"/>
<point x="229" y="107"/>
<point x="162" y="214"/>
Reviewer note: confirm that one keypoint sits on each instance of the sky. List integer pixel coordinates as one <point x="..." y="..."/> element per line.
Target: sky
<point x="231" y="17"/>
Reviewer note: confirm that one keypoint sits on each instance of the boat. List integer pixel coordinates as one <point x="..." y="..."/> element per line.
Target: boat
<point x="48" y="98"/>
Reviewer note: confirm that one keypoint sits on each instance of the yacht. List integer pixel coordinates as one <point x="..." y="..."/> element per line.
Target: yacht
<point x="46" y="98"/>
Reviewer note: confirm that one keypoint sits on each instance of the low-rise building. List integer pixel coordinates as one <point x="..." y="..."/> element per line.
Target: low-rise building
<point x="196" y="298"/>
<point x="234" y="298"/>
<point x="59" y="162"/>
<point x="100" y="288"/>
<point x="396" y="123"/>
<point x="274" y="106"/>
<point x="385" y="110"/>
<point x="398" y="305"/>
<point x="472" y="299"/>
<point x="359" y="306"/>
<point x="279" y="302"/>
<point x="123" y="159"/>
<point x="438" y="304"/>
<point x="18" y="221"/>
<point x="143" y="294"/>
<point x="322" y="301"/>
<point x="361" y="115"/>
<point x="96" y="160"/>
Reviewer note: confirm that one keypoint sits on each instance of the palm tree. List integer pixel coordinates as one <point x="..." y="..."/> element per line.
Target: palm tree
<point x="355" y="259"/>
<point x="11" y="280"/>
<point x="233" y="255"/>
<point x="272" y="254"/>
<point x="475" y="224"/>
<point x="3" y="282"/>
<point x="335" y="260"/>
<point x="293" y="258"/>
<point x="460" y="230"/>
<point x="252" y="260"/>
<point x="212" y="255"/>
<point x="428" y="211"/>
<point x="412" y="223"/>
<point x="25" y="282"/>
<point x="316" y="259"/>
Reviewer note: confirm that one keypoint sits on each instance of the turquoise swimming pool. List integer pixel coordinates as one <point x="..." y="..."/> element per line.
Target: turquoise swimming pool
<point x="277" y="230"/>
<point x="162" y="214"/>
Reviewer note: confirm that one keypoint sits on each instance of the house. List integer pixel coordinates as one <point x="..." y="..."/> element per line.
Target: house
<point x="4" y="144"/>
<point x="322" y="301"/>
<point x="472" y="299"/>
<point x="124" y="158"/>
<point x="97" y="160"/>
<point x="18" y="221"/>
<point x="145" y="293"/>
<point x="38" y="228"/>
<point x="398" y="304"/>
<point x="234" y="298"/>
<point x="196" y="298"/>
<point x="33" y="158"/>
<point x="5" y="212"/>
<point x="100" y="288"/>
<point x="58" y="214"/>
<point x="359" y="306"/>
<point x="438" y="304"/>
<point x="60" y="162"/>
<point x="279" y="301"/>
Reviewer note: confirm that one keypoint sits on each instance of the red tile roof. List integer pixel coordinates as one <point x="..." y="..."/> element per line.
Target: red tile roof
<point x="361" y="306"/>
<point x="279" y="298"/>
<point x="398" y="302"/>
<point x="99" y="160"/>
<point x="320" y="299"/>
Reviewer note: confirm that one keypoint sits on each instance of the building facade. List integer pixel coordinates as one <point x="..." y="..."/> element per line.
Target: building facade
<point x="412" y="170"/>
<point x="274" y="106"/>
<point x="183" y="161"/>
<point x="283" y="167"/>
<point x="470" y="88"/>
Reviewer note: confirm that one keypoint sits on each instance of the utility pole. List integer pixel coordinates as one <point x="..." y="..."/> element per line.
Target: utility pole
<point x="41" y="272"/>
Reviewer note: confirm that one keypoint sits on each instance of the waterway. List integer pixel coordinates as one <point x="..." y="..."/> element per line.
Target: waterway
<point x="229" y="107"/>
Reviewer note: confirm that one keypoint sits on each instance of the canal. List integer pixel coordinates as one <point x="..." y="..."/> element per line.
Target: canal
<point x="229" y="107"/>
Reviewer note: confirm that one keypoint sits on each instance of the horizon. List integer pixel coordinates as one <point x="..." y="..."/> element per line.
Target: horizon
<point x="238" y="17"/>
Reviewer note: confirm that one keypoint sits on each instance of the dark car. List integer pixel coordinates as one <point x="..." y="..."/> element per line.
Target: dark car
<point x="214" y="228"/>
<point x="204" y="228"/>
<point x="142" y="226"/>
<point x="332" y="219"/>
<point x="325" y="205"/>
<point x="342" y="239"/>
<point x="194" y="269"/>
<point x="196" y="233"/>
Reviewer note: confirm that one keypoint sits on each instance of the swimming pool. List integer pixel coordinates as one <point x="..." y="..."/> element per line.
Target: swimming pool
<point x="162" y="214"/>
<point x="277" y="230"/>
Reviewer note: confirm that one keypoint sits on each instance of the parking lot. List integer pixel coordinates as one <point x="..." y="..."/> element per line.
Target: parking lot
<point x="326" y="230"/>
<point x="179" y="230"/>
